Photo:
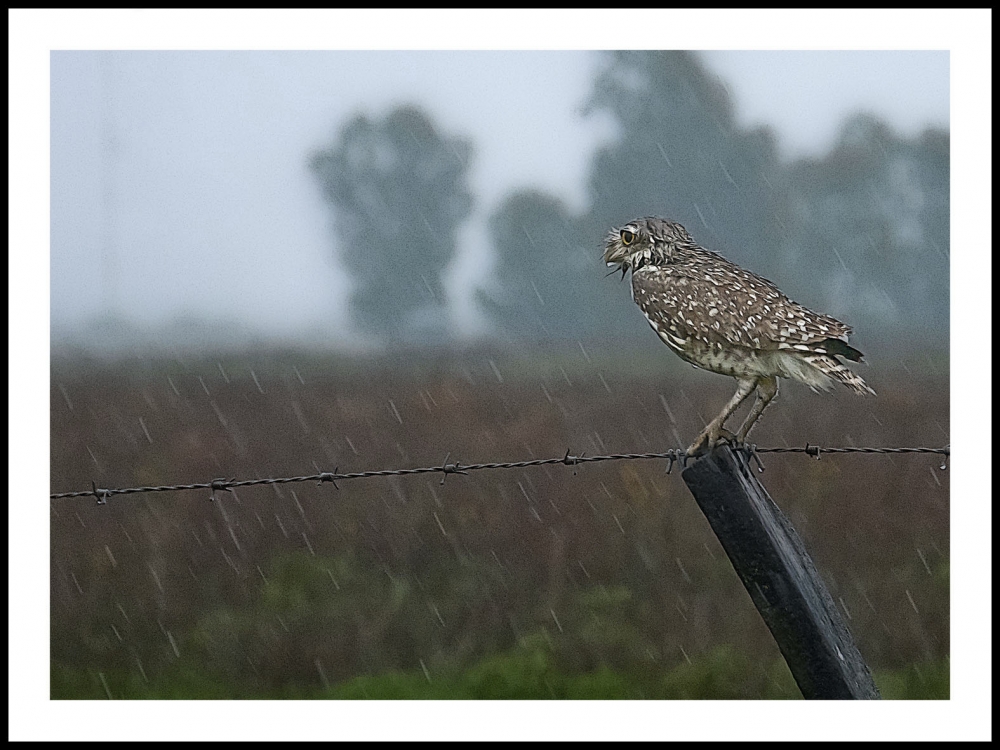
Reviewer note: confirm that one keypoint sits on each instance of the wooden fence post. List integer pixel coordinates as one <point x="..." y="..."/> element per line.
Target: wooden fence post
<point x="780" y="577"/>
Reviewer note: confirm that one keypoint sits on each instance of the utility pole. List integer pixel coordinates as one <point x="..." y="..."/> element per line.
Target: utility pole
<point x="110" y="159"/>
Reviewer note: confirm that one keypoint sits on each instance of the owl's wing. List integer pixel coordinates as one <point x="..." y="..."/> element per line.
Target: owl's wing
<point x="729" y="306"/>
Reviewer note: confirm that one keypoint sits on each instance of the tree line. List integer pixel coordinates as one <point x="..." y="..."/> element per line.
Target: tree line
<point x="861" y="233"/>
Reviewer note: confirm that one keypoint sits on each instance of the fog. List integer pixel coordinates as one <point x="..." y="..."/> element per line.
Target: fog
<point x="182" y="195"/>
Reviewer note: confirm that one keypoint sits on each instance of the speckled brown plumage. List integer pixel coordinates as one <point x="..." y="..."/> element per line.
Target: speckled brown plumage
<point x="725" y="319"/>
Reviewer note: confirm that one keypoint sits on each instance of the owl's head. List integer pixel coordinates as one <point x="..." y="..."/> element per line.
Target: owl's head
<point x="644" y="241"/>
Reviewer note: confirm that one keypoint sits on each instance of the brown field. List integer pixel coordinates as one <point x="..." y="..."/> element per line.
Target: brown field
<point x="609" y="566"/>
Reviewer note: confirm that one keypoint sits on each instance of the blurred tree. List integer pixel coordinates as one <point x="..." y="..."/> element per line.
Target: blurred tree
<point x="681" y="155"/>
<point x="547" y="282"/>
<point x="871" y="227"/>
<point x="398" y="190"/>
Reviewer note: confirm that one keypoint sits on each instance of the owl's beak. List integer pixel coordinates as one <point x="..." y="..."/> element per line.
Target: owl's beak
<point x="616" y="258"/>
<point x="615" y="255"/>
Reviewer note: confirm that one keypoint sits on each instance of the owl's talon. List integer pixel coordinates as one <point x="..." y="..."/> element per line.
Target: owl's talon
<point x="709" y="439"/>
<point x="725" y="436"/>
<point x="695" y="449"/>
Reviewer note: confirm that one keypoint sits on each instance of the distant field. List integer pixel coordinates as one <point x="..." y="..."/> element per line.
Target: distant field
<point x="601" y="580"/>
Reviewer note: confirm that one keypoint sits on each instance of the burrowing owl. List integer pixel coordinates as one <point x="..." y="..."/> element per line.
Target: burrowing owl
<point x="721" y="318"/>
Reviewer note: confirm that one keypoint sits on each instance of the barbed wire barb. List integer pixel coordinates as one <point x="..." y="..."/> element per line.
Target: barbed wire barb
<point x="568" y="459"/>
<point x="328" y="476"/>
<point x="571" y="460"/>
<point x="670" y="463"/>
<point x="447" y="468"/>
<point x="751" y="455"/>
<point x="221" y="485"/>
<point x="102" y="495"/>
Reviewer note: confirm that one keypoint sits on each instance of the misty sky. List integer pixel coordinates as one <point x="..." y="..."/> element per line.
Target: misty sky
<point x="192" y="166"/>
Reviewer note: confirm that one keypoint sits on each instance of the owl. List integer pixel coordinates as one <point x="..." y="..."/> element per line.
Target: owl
<point x="725" y="319"/>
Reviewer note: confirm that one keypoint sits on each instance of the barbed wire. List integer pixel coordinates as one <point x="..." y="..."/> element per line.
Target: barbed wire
<point x="226" y="485"/>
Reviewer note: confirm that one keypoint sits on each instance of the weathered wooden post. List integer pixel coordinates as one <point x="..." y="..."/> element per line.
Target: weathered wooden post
<point x="780" y="577"/>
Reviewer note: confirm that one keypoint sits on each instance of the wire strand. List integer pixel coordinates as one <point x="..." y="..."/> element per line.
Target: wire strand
<point x="225" y="485"/>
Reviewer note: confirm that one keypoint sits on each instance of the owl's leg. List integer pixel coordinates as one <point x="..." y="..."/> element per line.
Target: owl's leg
<point x="714" y="431"/>
<point x="767" y="389"/>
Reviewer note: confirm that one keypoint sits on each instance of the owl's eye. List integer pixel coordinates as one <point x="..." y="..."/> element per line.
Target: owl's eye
<point x="627" y="237"/>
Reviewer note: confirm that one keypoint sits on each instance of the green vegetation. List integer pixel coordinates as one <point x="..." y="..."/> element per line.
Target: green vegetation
<point x="525" y="673"/>
<point x="931" y="680"/>
<point x="299" y="594"/>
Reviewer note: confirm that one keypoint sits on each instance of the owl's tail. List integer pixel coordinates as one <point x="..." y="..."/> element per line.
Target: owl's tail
<point x="830" y="367"/>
